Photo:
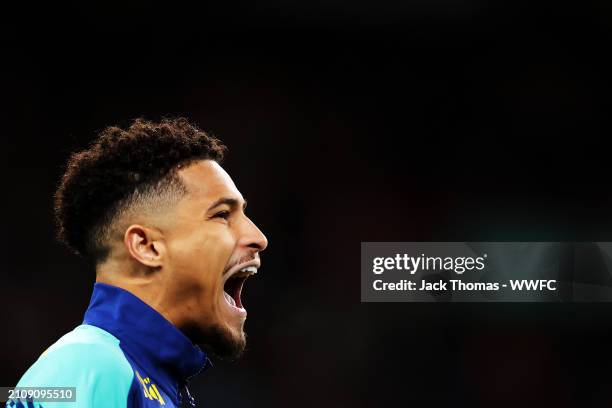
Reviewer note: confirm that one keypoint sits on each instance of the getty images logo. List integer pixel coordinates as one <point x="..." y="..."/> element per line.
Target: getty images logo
<point x="412" y="264"/>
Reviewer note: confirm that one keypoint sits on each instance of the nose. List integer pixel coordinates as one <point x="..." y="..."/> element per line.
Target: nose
<point x="252" y="236"/>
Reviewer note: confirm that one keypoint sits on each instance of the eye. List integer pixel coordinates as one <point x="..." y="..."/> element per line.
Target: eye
<point x="222" y="214"/>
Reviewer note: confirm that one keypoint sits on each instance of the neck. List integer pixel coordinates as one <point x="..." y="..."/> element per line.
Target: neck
<point x="148" y="285"/>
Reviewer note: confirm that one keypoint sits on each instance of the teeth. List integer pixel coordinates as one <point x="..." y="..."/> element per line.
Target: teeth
<point x="229" y="299"/>
<point x="249" y="269"/>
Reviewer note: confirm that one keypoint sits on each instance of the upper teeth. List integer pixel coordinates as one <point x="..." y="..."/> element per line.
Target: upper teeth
<point x="249" y="269"/>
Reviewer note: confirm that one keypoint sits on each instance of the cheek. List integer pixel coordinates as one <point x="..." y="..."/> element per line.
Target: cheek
<point x="199" y="257"/>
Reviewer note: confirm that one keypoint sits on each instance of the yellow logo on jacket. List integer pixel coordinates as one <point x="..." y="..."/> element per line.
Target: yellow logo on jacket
<point x="150" y="390"/>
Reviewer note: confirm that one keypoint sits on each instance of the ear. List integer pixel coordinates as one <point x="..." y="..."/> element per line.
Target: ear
<point x="145" y="245"/>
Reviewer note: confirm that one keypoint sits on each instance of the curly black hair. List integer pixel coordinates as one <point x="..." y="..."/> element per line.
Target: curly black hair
<point x="123" y="167"/>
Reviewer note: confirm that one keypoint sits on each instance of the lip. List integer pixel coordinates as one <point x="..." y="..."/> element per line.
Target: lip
<point x="236" y="268"/>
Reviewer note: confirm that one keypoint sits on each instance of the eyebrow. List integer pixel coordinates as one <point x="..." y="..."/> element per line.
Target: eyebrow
<point x="232" y="202"/>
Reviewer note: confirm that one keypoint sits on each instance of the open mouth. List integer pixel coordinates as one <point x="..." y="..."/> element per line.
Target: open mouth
<point x="233" y="286"/>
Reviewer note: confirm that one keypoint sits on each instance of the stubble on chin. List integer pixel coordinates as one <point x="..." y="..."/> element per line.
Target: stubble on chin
<point x="218" y="341"/>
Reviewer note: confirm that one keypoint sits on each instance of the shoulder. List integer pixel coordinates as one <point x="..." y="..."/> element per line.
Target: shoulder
<point x="85" y="349"/>
<point x="89" y="359"/>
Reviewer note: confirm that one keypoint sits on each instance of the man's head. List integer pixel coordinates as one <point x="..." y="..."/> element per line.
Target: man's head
<point x="158" y="215"/>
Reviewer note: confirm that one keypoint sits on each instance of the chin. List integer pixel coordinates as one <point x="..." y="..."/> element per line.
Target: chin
<point x="223" y="342"/>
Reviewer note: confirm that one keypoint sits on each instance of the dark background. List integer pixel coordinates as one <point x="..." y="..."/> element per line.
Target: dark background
<point x="346" y="122"/>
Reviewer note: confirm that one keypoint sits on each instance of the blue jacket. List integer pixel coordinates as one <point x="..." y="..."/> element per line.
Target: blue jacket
<point x="125" y="354"/>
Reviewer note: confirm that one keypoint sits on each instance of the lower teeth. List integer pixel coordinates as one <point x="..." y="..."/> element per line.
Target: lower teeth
<point x="229" y="299"/>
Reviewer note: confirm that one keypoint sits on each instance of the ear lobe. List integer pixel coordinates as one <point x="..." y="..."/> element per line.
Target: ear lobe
<point x="142" y="244"/>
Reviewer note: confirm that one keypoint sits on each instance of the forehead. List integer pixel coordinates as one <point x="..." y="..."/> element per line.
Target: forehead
<point x="206" y="180"/>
